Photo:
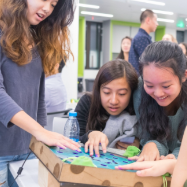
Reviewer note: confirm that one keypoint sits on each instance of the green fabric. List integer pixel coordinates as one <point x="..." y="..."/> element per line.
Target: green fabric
<point x="185" y="184"/>
<point x="81" y="161"/>
<point x="175" y="120"/>
<point x="165" y="180"/>
<point x="131" y="151"/>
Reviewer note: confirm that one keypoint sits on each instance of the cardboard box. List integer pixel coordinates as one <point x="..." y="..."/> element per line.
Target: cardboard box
<point x="55" y="173"/>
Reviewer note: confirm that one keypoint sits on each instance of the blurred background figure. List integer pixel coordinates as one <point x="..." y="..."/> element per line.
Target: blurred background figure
<point x="183" y="46"/>
<point x="170" y="37"/>
<point x="55" y="91"/>
<point x="125" y="48"/>
<point x="142" y="39"/>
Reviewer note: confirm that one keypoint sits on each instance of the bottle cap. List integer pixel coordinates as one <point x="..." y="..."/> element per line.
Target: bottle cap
<point x="74" y="114"/>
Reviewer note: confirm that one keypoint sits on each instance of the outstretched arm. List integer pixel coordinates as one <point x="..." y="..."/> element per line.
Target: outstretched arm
<point x="151" y="168"/>
<point x="180" y="171"/>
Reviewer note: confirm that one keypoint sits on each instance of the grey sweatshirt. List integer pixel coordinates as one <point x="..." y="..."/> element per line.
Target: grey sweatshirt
<point x="21" y="88"/>
<point x="119" y="127"/>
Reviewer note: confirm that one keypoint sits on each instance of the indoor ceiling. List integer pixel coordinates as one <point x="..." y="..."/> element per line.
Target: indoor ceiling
<point x="128" y="10"/>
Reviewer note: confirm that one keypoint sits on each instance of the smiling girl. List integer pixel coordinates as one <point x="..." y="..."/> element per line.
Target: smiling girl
<point x="111" y="96"/>
<point x="33" y="39"/>
<point x="161" y="101"/>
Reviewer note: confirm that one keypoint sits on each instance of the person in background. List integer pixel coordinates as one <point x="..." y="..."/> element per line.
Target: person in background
<point x="142" y="39"/>
<point x="169" y="37"/>
<point x="55" y="91"/>
<point x="125" y="48"/>
<point x="183" y="46"/>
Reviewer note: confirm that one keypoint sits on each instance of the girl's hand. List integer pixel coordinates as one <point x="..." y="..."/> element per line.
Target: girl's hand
<point x="149" y="153"/>
<point x="54" y="139"/>
<point x="170" y="156"/>
<point x="94" y="139"/>
<point x="24" y="121"/>
<point x="151" y="168"/>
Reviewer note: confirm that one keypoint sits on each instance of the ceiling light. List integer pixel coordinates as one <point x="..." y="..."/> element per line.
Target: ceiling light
<point x="165" y="20"/>
<point x="97" y="14"/>
<point x="150" y="2"/>
<point x="186" y="19"/>
<point x="89" y="6"/>
<point x="159" y="11"/>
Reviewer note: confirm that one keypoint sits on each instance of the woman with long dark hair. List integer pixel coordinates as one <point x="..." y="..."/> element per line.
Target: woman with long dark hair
<point x="125" y="48"/>
<point x="112" y="94"/>
<point x="161" y="101"/>
<point x="34" y="37"/>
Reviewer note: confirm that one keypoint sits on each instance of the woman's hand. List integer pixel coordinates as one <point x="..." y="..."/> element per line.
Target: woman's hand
<point x="123" y="146"/>
<point x="170" y="156"/>
<point x="54" y="139"/>
<point x="149" y="153"/>
<point x="151" y="168"/>
<point x="24" y="121"/>
<point x="94" y="139"/>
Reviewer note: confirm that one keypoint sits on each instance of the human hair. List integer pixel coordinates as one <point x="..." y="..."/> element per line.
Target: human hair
<point x="173" y="39"/>
<point x="61" y="65"/>
<point x="146" y="13"/>
<point x="153" y="118"/>
<point x="121" y="54"/>
<point x="51" y="36"/>
<point x="108" y="72"/>
<point x="185" y="45"/>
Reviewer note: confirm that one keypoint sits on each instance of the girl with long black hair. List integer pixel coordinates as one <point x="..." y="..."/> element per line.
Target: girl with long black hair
<point x="161" y="101"/>
<point x="111" y="96"/>
<point x="125" y="48"/>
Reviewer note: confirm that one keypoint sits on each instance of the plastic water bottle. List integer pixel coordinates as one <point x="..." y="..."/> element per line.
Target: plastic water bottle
<point x="72" y="129"/>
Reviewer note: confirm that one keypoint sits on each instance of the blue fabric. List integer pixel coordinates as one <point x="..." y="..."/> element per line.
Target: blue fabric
<point x="5" y="174"/>
<point x="139" y="43"/>
<point x="21" y="88"/>
<point x="55" y="93"/>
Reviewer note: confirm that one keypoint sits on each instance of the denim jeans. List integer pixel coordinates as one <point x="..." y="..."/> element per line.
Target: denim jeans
<point x="6" y="177"/>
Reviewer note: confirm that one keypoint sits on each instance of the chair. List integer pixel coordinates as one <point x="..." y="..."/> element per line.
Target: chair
<point x="58" y="125"/>
<point x="50" y="116"/>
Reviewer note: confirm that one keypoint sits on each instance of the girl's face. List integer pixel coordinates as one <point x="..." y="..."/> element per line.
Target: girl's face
<point x="161" y="84"/>
<point x="126" y="45"/>
<point x="38" y="10"/>
<point x="183" y="48"/>
<point x="115" y="96"/>
<point x="167" y="37"/>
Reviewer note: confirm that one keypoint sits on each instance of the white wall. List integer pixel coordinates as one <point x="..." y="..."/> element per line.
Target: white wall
<point x="70" y="71"/>
<point x="171" y="31"/>
<point x="90" y="74"/>
<point x="119" y="32"/>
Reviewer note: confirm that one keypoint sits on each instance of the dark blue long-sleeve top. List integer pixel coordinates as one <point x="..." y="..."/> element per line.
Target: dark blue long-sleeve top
<point x="139" y="43"/>
<point x="21" y="88"/>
